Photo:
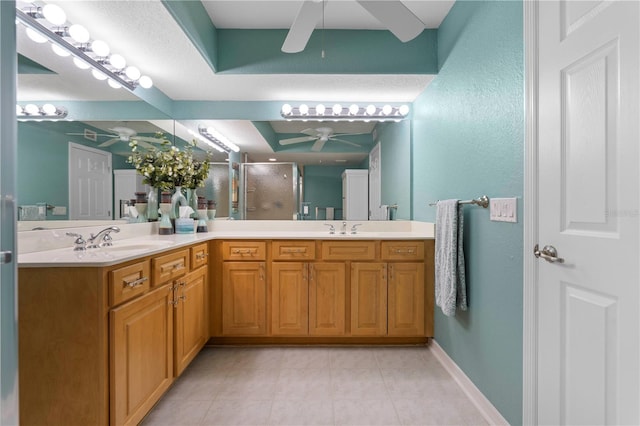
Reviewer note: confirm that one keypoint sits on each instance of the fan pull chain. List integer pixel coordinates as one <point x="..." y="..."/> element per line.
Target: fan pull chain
<point x="322" y="52"/>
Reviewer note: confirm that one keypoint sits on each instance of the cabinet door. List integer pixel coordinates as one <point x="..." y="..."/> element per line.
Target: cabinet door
<point x="368" y="299"/>
<point x="406" y="299"/>
<point x="141" y="340"/>
<point x="243" y="299"/>
<point x="289" y="299"/>
<point x="327" y="298"/>
<point x="190" y="318"/>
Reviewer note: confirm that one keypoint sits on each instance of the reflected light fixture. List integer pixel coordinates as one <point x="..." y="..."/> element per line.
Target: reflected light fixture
<point x="339" y="113"/>
<point x="49" y="24"/>
<point x="44" y="112"/>
<point x="214" y="139"/>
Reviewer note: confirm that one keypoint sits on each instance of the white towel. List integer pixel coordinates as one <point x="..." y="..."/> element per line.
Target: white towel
<point x="451" y="291"/>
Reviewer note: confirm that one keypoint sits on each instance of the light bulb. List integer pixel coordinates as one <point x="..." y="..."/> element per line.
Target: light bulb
<point x="98" y="75"/>
<point x="100" y="48"/>
<point x="145" y="81"/>
<point x="286" y="109"/>
<point x="353" y="109"/>
<point x="337" y="109"/>
<point x="117" y="61"/>
<point x="79" y="33"/>
<point x="320" y="109"/>
<point x="36" y="36"/>
<point x="49" y="109"/>
<point x="386" y="110"/>
<point x="132" y="72"/>
<point x="80" y="63"/>
<point x="19" y="110"/>
<point x="304" y="109"/>
<point x="31" y="109"/>
<point x="59" y="50"/>
<point x="404" y="109"/>
<point x="371" y="109"/>
<point x="54" y="14"/>
<point x="114" y="84"/>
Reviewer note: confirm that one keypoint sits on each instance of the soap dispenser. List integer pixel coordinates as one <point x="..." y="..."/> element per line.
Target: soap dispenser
<point x="166" y="228"/>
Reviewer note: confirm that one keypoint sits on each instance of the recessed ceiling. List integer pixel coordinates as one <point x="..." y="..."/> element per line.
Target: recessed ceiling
<point x="146" y="32"/>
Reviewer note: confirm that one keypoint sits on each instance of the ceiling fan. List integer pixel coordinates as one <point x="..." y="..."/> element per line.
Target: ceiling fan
<point x="394" y="15"/>
<point x="320" y="135"/>
<point x="123" y="134"/>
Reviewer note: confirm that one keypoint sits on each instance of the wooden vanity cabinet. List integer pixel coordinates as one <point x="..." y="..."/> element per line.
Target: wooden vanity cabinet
<point x="307" y="297"/>
<point x="244" y="288"/>
<point x="100" y="345"/>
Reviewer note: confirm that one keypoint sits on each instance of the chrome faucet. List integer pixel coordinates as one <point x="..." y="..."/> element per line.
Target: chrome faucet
<point x="103" y="238"/>
<point x="79" y="244"/>
<point x="354" y="228"/>
<point x="332" y="229"/>
<point x="344" y="228"/>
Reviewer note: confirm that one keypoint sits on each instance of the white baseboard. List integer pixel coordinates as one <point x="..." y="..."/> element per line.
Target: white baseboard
<point x="488" y="411"/>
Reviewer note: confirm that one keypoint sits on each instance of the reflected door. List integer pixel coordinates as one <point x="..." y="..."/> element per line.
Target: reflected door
<point x="90" y="183"/>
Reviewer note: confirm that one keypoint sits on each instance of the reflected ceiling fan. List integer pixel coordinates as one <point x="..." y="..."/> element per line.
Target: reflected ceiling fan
<point x="124" y="134"/>
<point x="394" y="15"/>
<point x="321" y="136"/>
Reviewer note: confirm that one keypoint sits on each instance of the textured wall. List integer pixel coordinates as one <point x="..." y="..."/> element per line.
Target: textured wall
<point x="323" y="188"/>
<point x="468" y="140"/>
<point x="395" y="159"/>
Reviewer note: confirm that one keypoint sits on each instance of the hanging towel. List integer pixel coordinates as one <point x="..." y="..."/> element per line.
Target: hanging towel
<point x="451" y="291"/>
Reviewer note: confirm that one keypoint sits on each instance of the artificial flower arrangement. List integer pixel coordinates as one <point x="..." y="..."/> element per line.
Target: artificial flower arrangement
<point x="167" y="167"/>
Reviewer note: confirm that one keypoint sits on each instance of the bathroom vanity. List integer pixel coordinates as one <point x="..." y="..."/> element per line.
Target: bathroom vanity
<point x="105" y="332"/>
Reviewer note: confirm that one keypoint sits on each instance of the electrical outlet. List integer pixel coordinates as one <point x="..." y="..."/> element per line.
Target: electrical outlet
<point x="59" y="211"/>
<point x="503" y="209"/>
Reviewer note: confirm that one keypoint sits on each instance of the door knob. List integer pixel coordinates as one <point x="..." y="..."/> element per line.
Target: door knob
<point x="548" y="253"/>
<point x="5" y="257"/>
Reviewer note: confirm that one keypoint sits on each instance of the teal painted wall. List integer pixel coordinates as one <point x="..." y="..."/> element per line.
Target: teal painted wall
<point x="323" y="188"/>
<point x="395" y="160"/>
<point x="43" y="159"/>
<point x="468" y="140"/>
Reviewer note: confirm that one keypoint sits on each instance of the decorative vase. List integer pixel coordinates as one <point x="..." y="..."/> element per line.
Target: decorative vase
<point x="177" y="199"/>
<point x="192" y="201"/>
<point x="152" y="204"/>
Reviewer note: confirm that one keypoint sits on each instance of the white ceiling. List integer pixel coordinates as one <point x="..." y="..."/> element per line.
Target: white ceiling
<point x="145" y="30"/>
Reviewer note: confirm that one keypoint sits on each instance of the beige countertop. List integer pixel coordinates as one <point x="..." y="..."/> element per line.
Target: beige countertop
<point x="52" y="248"/>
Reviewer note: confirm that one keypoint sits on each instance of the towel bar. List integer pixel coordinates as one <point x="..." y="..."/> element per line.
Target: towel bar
<point x="480" y="201"/>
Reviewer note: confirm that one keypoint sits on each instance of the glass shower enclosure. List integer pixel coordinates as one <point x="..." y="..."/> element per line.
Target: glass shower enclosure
<point x="271" y="191"/>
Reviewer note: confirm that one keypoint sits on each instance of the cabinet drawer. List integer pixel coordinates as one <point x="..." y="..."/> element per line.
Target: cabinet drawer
<point x="128" y="282"/>
<point x="243" y="250"/>
<point x="293" y="250"/>
<point x="348" y="250"/>
<point x="170" y="266"/>
<point x="199" y="255"/>
<point x="402" y="250"/>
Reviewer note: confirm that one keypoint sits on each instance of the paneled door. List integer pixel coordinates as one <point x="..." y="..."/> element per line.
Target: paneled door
<point x="8" y="273"/>
<point x="90" y="183"/>
<point x="588" y="186"/>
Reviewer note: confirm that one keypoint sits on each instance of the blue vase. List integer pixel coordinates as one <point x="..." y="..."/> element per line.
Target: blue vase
<point x="177" y="199"/>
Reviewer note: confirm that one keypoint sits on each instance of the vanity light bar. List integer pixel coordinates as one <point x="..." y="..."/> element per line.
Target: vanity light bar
<point x="338" y="112"/>
<point x="44" y="112"/>
<point x="86" y="54"/>
<point x="214" y="139"/>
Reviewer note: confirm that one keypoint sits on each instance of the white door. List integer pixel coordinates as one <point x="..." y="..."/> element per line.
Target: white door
<point x="90" y="183"/>
<point x="588" y="321"/>
<point x="375" y="184"/>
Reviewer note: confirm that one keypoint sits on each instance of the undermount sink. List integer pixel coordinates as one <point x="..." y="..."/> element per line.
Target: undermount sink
<point x="137" y="245"/>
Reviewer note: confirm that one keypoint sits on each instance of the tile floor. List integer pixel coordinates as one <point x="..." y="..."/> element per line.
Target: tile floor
<point x="314" y="386"/>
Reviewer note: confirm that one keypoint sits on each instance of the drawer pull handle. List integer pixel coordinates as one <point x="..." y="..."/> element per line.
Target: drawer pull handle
<point x="136" y="283"/>
<point x="201" y="256"/>
<point x="243" y="252"/>
<point x="178" y="266"/>
<point x="404" y="251"/>
<point x="294" y="250"/>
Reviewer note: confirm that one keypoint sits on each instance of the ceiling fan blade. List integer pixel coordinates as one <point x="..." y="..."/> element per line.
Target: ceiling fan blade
<point x="350" y="134"/>
<point x="318" y="145"/>
<point x="296" y="140"/>
<point x="109" y="142"/>
<point x="310" y="132"/>
<point x="308" y="17"/>
<point x="347" y="142"/>
<point x="396" y="17"/>
<point x="148" y="139"/>
<point x="145" y="144"/>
